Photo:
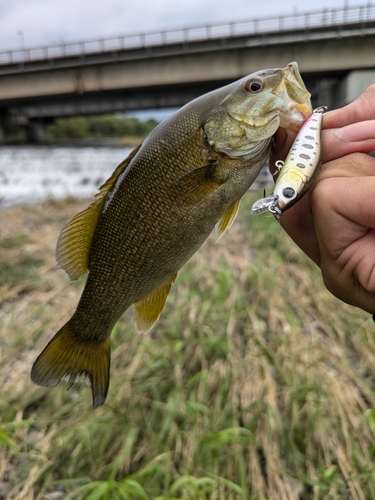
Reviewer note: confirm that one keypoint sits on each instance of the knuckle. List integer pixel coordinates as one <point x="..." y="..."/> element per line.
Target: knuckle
<point x="322" y="192"/>
<point x="330" y="283"/>
<point x="336" y="284"/>
<point x="371" y="88"/>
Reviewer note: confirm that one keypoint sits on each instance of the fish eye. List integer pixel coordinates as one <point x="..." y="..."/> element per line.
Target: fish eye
<point x="254" y="85"/>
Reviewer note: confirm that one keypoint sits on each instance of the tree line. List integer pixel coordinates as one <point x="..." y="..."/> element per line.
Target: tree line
<point x="85" y="127"/>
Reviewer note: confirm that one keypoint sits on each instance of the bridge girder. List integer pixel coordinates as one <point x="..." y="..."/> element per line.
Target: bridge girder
<point x="171" y="75"/>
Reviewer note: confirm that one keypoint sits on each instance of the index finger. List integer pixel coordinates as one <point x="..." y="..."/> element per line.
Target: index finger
<point x="363" y="108"/>
<point x="354" y="138"/>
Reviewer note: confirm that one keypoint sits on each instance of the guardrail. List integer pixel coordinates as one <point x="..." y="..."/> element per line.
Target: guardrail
<point x="360" y="15"/>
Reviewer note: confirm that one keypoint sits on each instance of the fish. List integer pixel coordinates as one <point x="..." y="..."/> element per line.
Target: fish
<point x="151" y="216"/>
<point x="295" y="176"/>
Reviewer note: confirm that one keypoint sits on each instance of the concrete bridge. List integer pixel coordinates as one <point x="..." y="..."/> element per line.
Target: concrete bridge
<point x="335" y="50"/>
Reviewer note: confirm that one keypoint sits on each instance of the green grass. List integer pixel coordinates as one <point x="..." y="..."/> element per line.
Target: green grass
<point x="255" y="384"/>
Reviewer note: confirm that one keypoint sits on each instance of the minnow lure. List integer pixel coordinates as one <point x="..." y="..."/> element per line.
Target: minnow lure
<point x="296" y="174"/>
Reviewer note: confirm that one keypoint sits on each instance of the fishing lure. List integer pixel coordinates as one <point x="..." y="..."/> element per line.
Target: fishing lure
<point x="296" y="174"/>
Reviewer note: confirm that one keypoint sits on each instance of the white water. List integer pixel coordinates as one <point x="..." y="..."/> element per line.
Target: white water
<point x="30" y="174"/>
<point x="33" y="174"/>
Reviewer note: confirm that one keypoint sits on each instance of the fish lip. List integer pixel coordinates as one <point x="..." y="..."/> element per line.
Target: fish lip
<point x="304" y="109"/>
<point x="274" y="113"/>
<point x="292" y="70"/>
<point x="291" y="118"/>
<point x="271" y="115"/>
<point x="295" y="116"/>
<point x="292" y="90"/>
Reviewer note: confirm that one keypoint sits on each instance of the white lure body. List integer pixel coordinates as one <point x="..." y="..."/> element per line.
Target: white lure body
<point x="296" y="174"/>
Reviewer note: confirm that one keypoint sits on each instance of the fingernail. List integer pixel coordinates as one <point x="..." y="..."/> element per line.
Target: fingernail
<point x="356" y="132"/>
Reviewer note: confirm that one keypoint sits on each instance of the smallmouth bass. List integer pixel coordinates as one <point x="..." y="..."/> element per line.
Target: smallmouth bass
<point x="156" y="210"/>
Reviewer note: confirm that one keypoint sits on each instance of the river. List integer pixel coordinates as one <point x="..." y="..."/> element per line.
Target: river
<point x="30" y="174"/>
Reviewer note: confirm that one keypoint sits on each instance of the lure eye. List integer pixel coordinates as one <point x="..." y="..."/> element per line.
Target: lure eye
<point x="289" y="192"/>
<point x="254" y="86"/>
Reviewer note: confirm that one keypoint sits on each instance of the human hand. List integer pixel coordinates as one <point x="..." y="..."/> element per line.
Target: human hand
<point x="334" y="223"/>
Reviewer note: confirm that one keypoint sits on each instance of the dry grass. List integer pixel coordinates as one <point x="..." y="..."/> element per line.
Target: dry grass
<point x="256" y="383"/>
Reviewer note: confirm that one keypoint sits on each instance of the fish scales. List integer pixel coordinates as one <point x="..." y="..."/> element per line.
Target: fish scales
<point x="158" y="258"/>
<point x="157" y="209"/>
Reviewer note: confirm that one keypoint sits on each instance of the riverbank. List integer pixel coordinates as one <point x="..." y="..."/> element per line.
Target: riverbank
<point x="256" y="382"/>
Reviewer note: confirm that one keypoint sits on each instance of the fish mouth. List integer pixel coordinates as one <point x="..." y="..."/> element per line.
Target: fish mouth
<point x="257" y="121"/>
<point x="295" y="116"/>
<point x="297" y="106"/>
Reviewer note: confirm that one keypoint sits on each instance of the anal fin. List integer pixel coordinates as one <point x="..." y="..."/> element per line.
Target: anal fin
<point x="148" y="309"/>
<point x="225" y="222"/>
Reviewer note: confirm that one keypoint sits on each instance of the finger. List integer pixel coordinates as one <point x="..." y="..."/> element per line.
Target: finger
<point x="344" y="219"/>
<point x="356" y="137"/>
<point x="298" y="222"/>
<point x="359" y="110"/>
<point x="350" y="200"/>
<point x="351" y="165"/>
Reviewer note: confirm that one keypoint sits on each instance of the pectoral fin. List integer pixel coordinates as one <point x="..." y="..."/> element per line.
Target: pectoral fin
<point x="148" y="309"/>
<point x="74" y="243"/>
<point x="225" y="222"/>
<point x="196" y="185"/>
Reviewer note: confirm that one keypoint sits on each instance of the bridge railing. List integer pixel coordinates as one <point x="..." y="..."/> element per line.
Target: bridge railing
<point x="338" y="18"/>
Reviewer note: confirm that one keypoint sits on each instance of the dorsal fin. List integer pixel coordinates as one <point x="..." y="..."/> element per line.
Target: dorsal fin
<point x="75" y="239"/>
<point x="148" y="309"/>
<point x="224" y="223"/>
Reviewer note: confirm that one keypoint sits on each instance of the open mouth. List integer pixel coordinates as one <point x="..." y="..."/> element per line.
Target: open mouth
<point x="293" y="92"/>
<point x="295" y="116"/>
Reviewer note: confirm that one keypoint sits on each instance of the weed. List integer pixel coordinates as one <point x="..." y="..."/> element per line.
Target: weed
<point x="255" y="384"/>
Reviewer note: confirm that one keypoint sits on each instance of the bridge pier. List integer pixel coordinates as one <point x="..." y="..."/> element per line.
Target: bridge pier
<point x="323" y="92"/>
<point x="353" y="85"/>
<point x="35" y="132"/>
<point x="3" y="118"/>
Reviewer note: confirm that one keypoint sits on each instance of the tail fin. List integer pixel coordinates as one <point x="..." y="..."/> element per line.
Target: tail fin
<point x="65" y="358"/>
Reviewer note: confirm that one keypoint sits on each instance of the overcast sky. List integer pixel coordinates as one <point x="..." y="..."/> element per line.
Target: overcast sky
<point x="49" y="22"/>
